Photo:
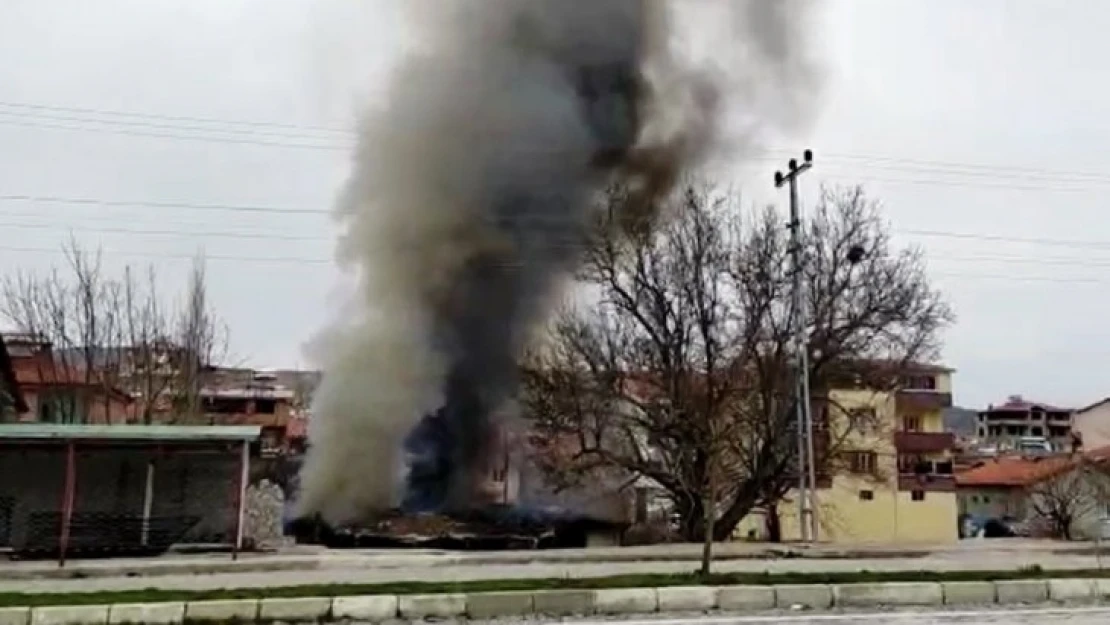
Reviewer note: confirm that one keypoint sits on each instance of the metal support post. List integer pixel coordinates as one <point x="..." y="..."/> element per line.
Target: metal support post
<point x="148" y="501"/>
<point x="69" y="492"/>
<point x="241" y="498"/>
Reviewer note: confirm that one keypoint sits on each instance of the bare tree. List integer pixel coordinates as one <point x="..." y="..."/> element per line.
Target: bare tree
<point x="682" y="372"/>
<point x="115" y="334"/>
<point x="71" y="312"/>
<point x="201" y="338"/>
<point x="1068" y="497"/>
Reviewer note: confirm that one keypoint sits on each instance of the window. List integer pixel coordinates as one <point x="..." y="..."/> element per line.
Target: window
<point x="920" y="383"/>
<point x="918" y="495"/>
<point x="861" y="418"/>
<point x="986" y="499"/>
<point x="265" y="406"/>
<point x="60" y="406"/>
<point x="866" y="495"/>
<point x="911" y="424"/>
<point x="861" y="462"/>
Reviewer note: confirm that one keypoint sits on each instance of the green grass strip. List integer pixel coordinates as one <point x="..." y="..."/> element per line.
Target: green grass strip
<point x="153" y="595"/>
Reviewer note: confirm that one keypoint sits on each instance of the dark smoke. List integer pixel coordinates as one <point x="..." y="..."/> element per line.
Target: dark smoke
<point x="468" y="191"/>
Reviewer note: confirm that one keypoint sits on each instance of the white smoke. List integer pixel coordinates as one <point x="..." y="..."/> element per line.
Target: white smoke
<point x="469" y="181"/>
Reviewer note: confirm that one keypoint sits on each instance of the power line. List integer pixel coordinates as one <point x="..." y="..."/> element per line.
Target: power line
<point x="209" y="233"/>
<point x="127" y="124"/>
<point x="939" y="165"/>
<point x="177" y="118"/>
<point x="161" y="135"/>
<point x="265" y="209"/>
<point x="1072" y="243"/>
<point x="294" y="130"/>
<point x="172" y="255"/>
<point x="1015" y="278"/>
<point x="245" y="208"/>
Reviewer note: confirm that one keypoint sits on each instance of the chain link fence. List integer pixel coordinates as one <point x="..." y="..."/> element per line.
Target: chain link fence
<point x="95" y="500"/>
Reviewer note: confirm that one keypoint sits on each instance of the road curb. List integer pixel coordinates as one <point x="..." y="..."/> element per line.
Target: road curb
<point x="569" y="602"/>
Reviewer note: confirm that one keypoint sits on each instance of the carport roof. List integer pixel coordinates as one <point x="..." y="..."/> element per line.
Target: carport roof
<point x="124" y="433"/>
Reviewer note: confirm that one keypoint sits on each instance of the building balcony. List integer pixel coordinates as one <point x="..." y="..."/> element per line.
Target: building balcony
<point x="916" y="402"/>
<point x="929" y="482"/>
<point x="923" y="442"/>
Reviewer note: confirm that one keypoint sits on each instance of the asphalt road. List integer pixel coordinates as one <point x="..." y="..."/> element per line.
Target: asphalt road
<point x="1058" y="616"/>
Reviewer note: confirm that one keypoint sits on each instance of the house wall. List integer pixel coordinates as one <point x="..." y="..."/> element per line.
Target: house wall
<point x="114" y="481"/>
<point x="98" y="408"/>
<point x="1093" y="424"/>
<point x="992" y="502"/>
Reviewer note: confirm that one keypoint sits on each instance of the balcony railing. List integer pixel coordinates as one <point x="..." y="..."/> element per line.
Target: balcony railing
<point x="921" y="401"/>
<point x="929" y="482"/>
<point x="924" y="442"/>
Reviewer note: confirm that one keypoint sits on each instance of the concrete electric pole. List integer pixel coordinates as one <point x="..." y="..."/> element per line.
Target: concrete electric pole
<point x="807" y="470"/>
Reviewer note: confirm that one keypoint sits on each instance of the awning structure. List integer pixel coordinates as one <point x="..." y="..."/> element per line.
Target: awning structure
<point x="72" y="438"/>
<point x="83" y="433"/>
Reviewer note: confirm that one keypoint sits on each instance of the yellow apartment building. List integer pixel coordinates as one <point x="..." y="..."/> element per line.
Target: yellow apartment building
<point x="891" y="480"/>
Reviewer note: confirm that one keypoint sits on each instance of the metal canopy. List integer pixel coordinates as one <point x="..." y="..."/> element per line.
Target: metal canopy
<point x="44" y="432"/>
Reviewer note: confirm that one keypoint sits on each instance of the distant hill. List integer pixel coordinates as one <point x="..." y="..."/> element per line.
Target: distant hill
<point x="961" y="421"/>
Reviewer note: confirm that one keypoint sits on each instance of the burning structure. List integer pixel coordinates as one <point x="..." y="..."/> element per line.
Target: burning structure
<point x="470" y="188"/>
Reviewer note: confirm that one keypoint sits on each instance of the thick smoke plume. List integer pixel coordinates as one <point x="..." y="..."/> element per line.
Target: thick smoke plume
<point x="468" y="189"/>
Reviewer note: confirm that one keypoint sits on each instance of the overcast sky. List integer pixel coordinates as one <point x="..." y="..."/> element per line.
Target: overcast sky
<point x="982" y="119"/>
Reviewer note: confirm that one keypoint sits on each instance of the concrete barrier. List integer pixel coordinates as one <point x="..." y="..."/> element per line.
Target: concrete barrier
<point x="745" y="598"/>
<point x="70" y="615"/>
<point x="1072" y="589"/>
<point x="625" y="601"/>
<point x="892" y="594"/>
<point x="812" y="596"/>
<point x="368" y="608"/>
<point x="969" y="593"/>
<point x="563" y="602"/>
<point x="1022" y="591"/>
<point x="15" y="616"/>
<point x="303" y="609"/>
<point x="418" y="607"/>
<point x="487" y="605"/>
<point x="231" y="610"/>
<point x="687" y="598"/>
<point x="147" y="613"/>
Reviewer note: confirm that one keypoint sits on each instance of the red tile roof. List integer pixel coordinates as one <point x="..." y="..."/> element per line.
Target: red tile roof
<point x="1020" y="471"/>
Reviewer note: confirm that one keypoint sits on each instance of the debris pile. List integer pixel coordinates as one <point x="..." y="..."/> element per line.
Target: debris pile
<point x="493" y="528"/>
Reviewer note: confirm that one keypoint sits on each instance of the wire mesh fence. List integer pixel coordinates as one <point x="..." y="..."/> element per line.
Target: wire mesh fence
<point x="93" y="499"/>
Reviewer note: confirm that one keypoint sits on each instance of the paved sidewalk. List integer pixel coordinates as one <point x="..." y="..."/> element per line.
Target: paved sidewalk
<point x="309" y="566"/>
<point x="305" y="557"/>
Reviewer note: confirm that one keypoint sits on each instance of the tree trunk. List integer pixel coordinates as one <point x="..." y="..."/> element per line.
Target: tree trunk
<point x="741" y="506"/>
<point x="691" y="515"/>
<point x="710" y="516"/>
<point x="774" y="524"/>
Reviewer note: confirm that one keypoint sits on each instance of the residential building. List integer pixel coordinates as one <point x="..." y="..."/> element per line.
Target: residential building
<point x="12" y="403"/>
<point x="1039" y="493"/>
<point x="1019" y="423"/>
<point x="248" y="397"/>
<point x="57" y="392"/>
<point x="892" y="479"/>
<point x="1091" y="424"/>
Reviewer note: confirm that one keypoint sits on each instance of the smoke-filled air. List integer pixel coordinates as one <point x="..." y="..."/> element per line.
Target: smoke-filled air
<point x="470" y="182"/>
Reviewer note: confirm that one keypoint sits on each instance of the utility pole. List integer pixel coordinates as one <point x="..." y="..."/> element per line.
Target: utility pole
<point x="807" y="471"/>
